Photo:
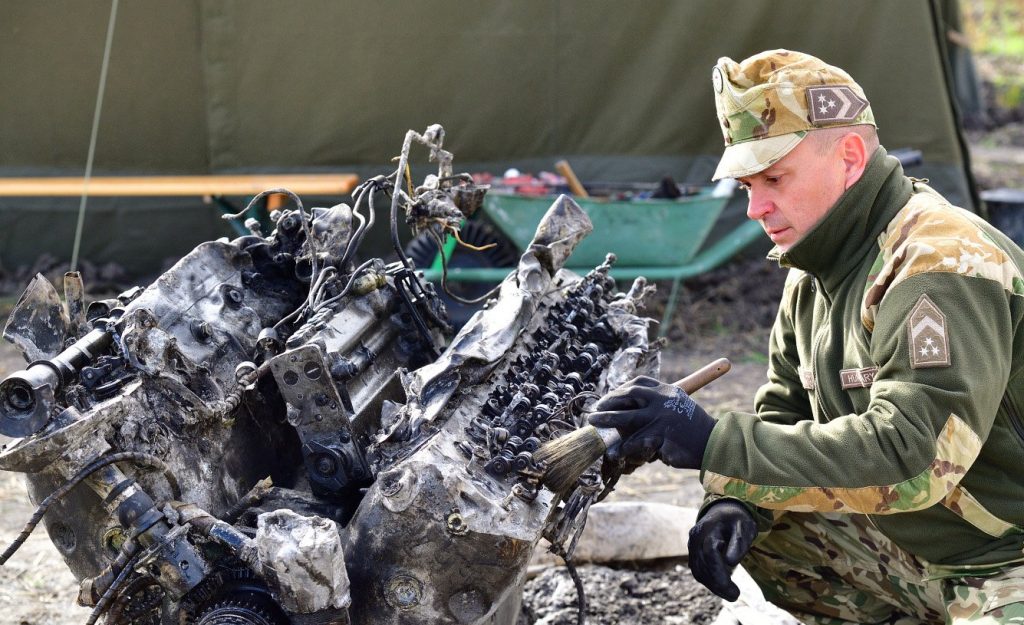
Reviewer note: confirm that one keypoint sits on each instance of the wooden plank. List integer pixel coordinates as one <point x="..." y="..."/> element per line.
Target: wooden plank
<point x="167" y="186"/>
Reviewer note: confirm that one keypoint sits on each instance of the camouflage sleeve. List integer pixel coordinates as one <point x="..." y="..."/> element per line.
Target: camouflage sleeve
<point x="927" y="417"/>
<point x="762" y="516"/>
<point x="783" y="398"/>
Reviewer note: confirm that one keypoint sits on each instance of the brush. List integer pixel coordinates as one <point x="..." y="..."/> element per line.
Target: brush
<point x="566" y="458"/>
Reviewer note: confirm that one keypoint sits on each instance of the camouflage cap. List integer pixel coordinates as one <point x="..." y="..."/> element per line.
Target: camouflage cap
<point x="766" y="105"/>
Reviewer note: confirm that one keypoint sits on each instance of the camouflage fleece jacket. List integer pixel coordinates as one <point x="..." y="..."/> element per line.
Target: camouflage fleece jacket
<point x="895" y="379"/>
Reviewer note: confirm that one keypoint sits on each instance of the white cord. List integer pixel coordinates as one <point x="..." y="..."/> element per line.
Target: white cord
<point x="92" y="138"/>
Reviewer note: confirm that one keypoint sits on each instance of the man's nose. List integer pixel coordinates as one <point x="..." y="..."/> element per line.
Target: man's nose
<point x="757" y="205"/>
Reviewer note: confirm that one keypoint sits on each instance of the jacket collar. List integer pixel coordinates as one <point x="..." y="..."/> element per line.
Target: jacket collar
<point x="848" y="231"/>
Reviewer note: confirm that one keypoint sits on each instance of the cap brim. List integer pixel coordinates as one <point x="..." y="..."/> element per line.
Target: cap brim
<point x="750" y="157"/>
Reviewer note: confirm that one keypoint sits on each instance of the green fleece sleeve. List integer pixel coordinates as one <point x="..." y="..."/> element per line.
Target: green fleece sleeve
<point x="922" y="430"/>
<point x="783" y="399"/>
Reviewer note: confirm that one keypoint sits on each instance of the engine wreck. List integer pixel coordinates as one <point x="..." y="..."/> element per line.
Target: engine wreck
<point x="281" y="431"/>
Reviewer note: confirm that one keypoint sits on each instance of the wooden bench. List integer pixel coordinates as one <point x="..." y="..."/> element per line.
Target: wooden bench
<point x="212" y="188"/>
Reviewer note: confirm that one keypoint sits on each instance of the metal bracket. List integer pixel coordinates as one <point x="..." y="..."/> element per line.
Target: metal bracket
<point x="315" y="408"/>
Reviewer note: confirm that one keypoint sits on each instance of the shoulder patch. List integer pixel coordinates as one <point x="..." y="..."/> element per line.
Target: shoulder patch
<point x="929" y="338"/>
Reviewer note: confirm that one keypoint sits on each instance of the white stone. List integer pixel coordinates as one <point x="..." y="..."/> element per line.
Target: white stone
<point x="306" y="557"/>
<point x="628" y="531"/>
<point x="751" y="608"/>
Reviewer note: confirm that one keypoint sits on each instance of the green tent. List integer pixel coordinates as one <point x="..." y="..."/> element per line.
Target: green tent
<point x="620" y="87"/>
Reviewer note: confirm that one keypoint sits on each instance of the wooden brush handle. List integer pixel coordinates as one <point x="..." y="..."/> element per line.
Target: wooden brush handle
<point x="706" y="374"/>
<point x="577" y="188"/>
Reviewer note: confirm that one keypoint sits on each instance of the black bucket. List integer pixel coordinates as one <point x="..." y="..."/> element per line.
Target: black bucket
<point x="1006" y="211"/>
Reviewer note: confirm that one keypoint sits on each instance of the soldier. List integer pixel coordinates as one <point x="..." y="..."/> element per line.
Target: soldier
<point x="880" y="478"/>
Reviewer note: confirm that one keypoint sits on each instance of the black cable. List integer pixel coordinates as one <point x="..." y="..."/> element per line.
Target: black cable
<point x="432" y="314"/>
<point x="348" y="285"/>
<point x="135" y="456"/>
<point x="116" y="615"/>
<point x="100" y="583"/>
<point x="581" y="594"/>
<point x="395" y="241"/>
<point x="356" y="234"/>
<point x="255" y="495"/>
<point x="444" y="276"/>
<point x="313" y="252"/>
<point x="101" y="605"/>
<point x="365" y="190"/>
<point x="372" y="215"/>
<point x="401" y="284"/>
<point x="231" y="401"/>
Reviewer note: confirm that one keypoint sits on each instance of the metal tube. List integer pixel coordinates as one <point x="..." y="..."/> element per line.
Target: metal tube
<point x="27" y="396"/>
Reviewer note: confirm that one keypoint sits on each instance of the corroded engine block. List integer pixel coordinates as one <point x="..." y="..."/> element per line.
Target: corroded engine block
<point x="271" y="433"/>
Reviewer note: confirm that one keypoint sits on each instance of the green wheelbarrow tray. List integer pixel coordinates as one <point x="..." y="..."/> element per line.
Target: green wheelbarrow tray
<point x="657" y="239"/>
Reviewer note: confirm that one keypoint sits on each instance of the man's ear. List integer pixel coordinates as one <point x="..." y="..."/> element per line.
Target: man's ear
<point x="854" y="153"/>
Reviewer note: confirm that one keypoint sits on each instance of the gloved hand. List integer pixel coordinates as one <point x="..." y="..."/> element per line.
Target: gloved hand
<point x="655" y="420"/>
<point x="718" y="542"/>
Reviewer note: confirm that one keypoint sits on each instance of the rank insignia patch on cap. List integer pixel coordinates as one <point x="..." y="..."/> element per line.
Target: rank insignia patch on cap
<point x="834" y="104"/>
<point x="929" y="340"/>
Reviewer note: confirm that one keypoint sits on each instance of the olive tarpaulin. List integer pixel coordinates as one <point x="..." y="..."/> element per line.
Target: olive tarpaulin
<point x="620" y="87"/>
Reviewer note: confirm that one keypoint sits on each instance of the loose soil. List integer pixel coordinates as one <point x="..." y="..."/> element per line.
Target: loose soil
<point x="36" y="588"/>
<point x="660" y="592"/>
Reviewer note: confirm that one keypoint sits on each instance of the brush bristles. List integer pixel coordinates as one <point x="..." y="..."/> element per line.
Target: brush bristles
<point x="567" y="457"/>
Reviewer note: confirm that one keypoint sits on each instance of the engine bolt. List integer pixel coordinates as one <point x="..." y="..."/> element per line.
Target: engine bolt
<point x="325" y="465"/>
<point x="456" y="524"/>
<point x="403" y="591"/>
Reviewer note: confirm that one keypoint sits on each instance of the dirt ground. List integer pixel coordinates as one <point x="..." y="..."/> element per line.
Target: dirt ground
<point x="662" y="592"/>
<point x="36" y="588"/>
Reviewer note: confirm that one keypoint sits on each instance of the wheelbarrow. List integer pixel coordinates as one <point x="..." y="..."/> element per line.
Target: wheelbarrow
<point x="660" y="239"/>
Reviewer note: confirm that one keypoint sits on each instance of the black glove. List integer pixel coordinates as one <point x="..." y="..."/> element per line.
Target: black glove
<point x="656" y="421"/>
<point x="718" y="542"/>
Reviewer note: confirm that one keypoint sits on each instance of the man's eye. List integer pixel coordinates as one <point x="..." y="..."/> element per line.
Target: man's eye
<point x="772" y="179"/>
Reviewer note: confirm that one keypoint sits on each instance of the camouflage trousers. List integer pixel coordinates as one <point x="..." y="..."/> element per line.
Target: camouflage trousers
<point x="837" y="568"/>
